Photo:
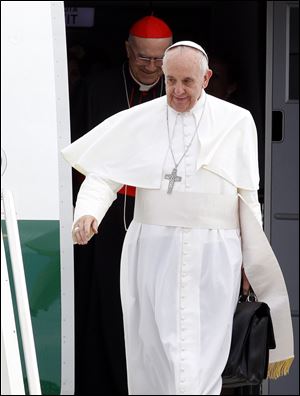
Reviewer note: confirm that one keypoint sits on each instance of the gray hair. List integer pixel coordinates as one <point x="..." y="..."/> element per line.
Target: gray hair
<point x="203" y="61"/>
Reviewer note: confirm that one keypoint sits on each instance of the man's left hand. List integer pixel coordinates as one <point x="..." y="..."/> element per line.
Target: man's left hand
<point x="245" y="283"/>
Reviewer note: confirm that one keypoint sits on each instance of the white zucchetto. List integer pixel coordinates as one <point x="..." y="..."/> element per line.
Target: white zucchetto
<point x="188" y="44"/>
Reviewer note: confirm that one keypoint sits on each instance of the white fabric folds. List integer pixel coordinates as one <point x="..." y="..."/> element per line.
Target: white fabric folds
<point x="130" y="147"/>
<point x="217" y="211"/>
<point x="265" y="276"/>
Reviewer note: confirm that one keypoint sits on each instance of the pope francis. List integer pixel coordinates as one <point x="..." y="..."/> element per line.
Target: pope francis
<point x="197" y="223"/>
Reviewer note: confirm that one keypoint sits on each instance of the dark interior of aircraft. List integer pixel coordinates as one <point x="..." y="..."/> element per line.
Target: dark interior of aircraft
<point x="232" y="31"/>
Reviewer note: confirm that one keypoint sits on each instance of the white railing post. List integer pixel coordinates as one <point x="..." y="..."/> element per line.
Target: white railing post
<point x="21" y="294"/>
<point x="11" y="369"/>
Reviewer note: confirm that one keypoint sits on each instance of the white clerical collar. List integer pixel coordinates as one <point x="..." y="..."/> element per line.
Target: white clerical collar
<point x="143" y="87"/>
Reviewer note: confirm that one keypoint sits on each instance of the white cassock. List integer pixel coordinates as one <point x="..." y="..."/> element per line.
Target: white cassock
<point x="183" y="252"/>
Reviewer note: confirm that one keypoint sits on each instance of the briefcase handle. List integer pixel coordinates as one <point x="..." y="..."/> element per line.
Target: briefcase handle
<point x="250" y="297"/>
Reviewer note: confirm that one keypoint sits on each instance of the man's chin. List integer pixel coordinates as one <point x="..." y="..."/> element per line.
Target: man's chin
<point x="180" y="105"/>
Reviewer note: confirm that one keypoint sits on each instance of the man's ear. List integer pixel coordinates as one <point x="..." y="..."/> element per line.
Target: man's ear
<point x="207" y="77"/>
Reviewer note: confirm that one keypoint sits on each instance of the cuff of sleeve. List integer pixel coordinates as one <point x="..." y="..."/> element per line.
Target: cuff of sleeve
<point x="94" y="198"/>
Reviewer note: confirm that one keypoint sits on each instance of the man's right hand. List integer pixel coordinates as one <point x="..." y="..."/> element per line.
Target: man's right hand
<point x="84" y="228"/>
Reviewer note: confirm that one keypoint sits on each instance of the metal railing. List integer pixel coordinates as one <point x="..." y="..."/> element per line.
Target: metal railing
<point x="21" y="293"/>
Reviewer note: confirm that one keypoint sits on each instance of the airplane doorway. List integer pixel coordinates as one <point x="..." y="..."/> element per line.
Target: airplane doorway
<point x="228" y="29"/>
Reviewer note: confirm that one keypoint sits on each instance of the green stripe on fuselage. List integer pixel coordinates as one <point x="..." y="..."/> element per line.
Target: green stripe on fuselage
<point x="41" y="256"/>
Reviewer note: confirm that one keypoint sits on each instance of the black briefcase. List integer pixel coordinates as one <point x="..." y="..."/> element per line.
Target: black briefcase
<point x="252" y="337"/>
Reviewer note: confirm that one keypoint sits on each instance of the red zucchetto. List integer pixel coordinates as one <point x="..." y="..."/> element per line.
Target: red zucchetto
<point x="150" y="27"/>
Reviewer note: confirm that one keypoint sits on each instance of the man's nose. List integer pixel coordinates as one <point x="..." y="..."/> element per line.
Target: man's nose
<point x="178" y="89"/>
<point x="151" y="66"/>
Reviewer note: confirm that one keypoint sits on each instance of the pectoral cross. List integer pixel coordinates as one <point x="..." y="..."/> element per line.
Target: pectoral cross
<point x="172" y="177"/>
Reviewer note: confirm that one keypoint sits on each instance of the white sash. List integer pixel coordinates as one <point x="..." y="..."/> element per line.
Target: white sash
<point x="182" y="209"/>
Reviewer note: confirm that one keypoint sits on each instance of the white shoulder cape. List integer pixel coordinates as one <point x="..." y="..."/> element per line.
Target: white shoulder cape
<point x="130" y="147"/>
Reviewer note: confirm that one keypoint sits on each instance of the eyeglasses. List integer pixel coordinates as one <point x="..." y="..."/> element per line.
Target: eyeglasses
<point x="143" y="60"/>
